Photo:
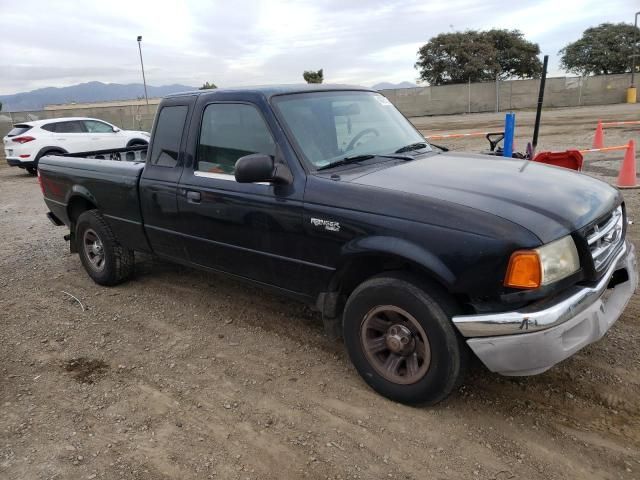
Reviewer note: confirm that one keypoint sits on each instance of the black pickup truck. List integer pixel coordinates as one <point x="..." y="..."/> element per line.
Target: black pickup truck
<point x="417" y="257"/>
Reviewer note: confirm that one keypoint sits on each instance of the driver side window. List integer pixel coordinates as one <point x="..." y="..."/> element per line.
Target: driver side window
<point x="93" y="126"/>
<point x="230" y="131"/>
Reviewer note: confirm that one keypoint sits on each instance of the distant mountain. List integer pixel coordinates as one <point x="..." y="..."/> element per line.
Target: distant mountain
<point x="83" y="92"/>
<point x="389" y="86"/>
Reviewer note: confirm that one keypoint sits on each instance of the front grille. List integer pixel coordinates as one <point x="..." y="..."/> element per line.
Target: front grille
<point x="604" y="238"/>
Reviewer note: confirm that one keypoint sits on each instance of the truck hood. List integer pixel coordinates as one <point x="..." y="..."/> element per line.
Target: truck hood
<point x="548" y="201"/>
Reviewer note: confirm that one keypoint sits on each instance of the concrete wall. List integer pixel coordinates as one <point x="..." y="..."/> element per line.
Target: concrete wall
<point x="413" y="102"/>
<point x="511" y="95"/>
<point x="109" y="103"/>
<point x="129" y="117"/>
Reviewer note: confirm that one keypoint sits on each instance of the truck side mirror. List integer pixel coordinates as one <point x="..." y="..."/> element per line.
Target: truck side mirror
<point x="259" y="167"/>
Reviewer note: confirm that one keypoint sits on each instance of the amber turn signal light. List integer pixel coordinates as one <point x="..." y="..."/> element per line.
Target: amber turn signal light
<point x="524" y="270"/>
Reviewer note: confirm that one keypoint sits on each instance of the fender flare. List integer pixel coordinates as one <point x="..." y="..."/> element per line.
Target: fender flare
<point x="399" y="248"/>
<point x="78" y="191"/>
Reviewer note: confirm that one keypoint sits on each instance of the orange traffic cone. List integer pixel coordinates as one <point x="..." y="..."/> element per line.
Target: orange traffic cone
<point x="598" y="138"/>
<point x="627" y="176"/>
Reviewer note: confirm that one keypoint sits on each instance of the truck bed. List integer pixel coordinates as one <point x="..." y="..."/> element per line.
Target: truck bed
<point x="109" y="185"/>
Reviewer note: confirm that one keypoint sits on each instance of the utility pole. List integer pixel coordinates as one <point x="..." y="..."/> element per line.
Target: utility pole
<point x="631" y="91"/>
<point x="497" y="92"/>
<point x="635" y="44"/>
<point x="144" y="80"/>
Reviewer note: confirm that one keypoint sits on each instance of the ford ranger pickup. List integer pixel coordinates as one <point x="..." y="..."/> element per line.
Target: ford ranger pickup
<point x="419" y="258"/>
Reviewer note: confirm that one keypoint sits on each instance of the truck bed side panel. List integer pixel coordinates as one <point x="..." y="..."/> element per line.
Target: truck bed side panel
<point x="112" y="186"/>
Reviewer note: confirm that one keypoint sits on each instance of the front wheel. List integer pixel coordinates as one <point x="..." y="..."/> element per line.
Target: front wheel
<point x="106" y="261"/>
<point x="400" y="338"/>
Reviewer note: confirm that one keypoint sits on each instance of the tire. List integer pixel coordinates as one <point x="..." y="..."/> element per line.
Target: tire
<point x="106" y="261"/>
<point x="400" y="315"/>
<point x="32" y="170"/>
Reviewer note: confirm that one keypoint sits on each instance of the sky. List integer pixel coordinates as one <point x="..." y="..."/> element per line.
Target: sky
<point x="243" y="42"/>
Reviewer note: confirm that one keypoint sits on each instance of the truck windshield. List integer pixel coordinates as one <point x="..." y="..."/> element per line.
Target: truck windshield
<point x="331" y="126"/>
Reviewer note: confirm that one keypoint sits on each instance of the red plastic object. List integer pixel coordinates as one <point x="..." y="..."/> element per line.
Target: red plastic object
<point x="627" y="176"/>
<point x="571" y="159"/>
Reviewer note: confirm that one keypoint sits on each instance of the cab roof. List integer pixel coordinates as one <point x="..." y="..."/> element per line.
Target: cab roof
<point x="271" y="90"/>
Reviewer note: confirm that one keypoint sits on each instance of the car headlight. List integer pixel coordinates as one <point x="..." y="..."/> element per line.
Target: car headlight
<point x="543" y="265"/>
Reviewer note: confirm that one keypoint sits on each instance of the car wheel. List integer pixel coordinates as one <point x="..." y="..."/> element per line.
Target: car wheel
<point x="32" y="170"/>
<point x="106" y="261"/>
<point x="399" y="336"/>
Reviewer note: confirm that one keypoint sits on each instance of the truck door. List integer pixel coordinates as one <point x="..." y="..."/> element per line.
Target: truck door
<point x="250" y="230"/>
<point x="159" y="181"/>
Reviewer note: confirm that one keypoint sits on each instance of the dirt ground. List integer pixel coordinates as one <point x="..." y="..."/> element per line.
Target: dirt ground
<point x="180" y="374"/>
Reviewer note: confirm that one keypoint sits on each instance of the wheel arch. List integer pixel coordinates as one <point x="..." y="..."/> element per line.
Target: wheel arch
<point x="136" y="140"/>
<point x="47" y="149"/>
<point x="367" y="257"/>
<point x="80" y="200"/>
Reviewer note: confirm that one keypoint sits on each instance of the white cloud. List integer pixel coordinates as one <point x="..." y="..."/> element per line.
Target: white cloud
<point x="244" y="42"/>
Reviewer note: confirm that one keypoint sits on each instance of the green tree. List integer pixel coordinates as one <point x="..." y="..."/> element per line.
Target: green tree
<point x="313" y="77"/>
<point x="208" y="86"/>
<point x="517" y="57"/>
<point x="604" y="49"/>
<point x="478" y="56"/>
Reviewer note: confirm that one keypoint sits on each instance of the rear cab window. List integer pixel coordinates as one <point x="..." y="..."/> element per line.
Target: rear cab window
<point x="18" y="130"/>
<point x="168" y="135"/>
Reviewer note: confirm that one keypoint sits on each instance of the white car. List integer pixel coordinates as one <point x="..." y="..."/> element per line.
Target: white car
<point x="28" y="141"/>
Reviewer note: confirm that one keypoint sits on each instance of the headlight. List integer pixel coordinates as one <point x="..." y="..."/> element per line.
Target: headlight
<point x="543" y="265"/>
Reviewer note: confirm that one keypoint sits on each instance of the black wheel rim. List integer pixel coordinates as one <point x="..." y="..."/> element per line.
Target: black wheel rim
<point x="395" y="344"/>
<point x="93" y="250"/>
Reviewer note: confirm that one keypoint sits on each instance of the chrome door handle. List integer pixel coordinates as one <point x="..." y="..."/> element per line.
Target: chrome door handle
<point x="193" y="197"/>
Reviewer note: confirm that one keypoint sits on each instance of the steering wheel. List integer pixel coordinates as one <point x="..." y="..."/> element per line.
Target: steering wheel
<point x="361" y="134"/>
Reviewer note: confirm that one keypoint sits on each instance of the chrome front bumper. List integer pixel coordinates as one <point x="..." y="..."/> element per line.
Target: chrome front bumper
<point x="534" y="339"/>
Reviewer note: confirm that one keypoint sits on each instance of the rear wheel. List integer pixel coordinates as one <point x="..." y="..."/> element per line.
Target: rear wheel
<point x="106" y="261"/>
<point x="400" y="338"/>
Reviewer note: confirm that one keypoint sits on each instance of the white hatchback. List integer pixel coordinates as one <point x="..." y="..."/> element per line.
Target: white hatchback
<point x="28" y="141"/>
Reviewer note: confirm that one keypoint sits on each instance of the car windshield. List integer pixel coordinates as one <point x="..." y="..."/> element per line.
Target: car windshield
<point x="329" y="126"/>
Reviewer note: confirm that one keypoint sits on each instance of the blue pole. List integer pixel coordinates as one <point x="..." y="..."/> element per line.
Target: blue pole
<point x="509" y="132"/>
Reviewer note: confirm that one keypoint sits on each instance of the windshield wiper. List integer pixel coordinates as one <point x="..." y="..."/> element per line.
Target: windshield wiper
<point x="346" y="161"/>
<point x="412" y="146"/>
<point x="357" y="158"/>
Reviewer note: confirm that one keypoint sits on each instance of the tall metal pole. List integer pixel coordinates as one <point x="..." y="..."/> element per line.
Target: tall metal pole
<point x="497" y="93"/>
<point x="144" y="80"/>
<point x="633" y="55"/>
<point x="536" y="127"/>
